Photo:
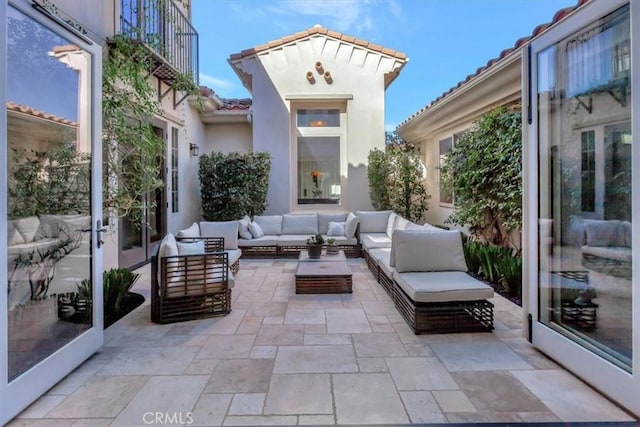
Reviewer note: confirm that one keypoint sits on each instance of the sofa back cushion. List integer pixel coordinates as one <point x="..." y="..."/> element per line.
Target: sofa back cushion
<point x="428" y="251"/>
<point x="300" y="224"/>
<point x="13" y="237"/>
<point x="604" y="232"/>
<point x="325" y="218"/>
<point x="373" y="221"/>
<point x="226" y="229"/>
<point x="391" y="223"/>
<point x="627" y="231"/>
<point x="270" y="224"/>
<point x="192" y="231"/>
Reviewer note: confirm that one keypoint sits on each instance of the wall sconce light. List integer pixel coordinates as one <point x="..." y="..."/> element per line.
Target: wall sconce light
<point x="327" y="77"/>
<point x="319" y="67"/>
<point x="310" y="77"/>
<point x="194" y="150"/>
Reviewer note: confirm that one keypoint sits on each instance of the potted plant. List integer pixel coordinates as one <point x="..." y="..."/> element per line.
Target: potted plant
<point x="332" y="246"/>
<point x="314" y="246"/>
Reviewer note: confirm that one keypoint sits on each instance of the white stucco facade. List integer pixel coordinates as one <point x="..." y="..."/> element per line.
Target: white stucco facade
<point x="317" y="69"/>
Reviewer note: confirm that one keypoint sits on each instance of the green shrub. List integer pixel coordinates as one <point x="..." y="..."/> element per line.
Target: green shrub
<point x="116" y="284"/>
<point x="233" y="185"/>
<point x="484" y="172"/>
<point x="495" y="264"/>
<point x="396" y="180"/>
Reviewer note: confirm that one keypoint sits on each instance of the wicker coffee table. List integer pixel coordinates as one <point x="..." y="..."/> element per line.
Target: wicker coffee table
<point x="328" y="275"/>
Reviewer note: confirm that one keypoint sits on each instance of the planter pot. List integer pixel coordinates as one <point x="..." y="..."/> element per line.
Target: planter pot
<point x="332" y="249"/>
<point x="315" y="251"/>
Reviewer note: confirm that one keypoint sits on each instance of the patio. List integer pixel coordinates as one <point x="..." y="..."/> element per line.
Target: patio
<point x="286" y="359"/>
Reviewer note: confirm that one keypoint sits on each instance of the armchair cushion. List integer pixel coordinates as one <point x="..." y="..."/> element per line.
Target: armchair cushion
<point x="192" y="231"/>
<point x="195" y="248"/>
<point x="300" y="224"/>
<point x="427" y="251"/>
<point x="226" y="229"/>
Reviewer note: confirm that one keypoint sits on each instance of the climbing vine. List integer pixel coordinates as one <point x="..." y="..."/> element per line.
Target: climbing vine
<point x="131" y="149"/>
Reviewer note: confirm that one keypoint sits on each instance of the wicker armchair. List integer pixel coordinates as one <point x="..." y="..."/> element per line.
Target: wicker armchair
<point x="186" y="287"/>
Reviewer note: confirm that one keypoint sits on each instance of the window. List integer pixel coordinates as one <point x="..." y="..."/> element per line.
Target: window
<point x="319" y="170"/>
<point x="588" y="188"/>
<point x="446" y="145"/>
<point x="318" y="118"/>
<point x="174" y="170"/>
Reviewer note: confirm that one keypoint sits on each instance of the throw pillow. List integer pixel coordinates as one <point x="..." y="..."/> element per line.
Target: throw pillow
<point x="168" y="246"/>
<point x="195" y="248"/>
<point x="255" y="230"/>
<point x="193" y="231"/>
<point x="336" y="228"/>
<point x="243" y="228"/>
<point x="391" y="224"/>
<point x="351" y="226"/>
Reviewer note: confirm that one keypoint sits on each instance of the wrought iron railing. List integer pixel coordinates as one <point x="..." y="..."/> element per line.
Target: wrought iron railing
<point x="166" y="31"/>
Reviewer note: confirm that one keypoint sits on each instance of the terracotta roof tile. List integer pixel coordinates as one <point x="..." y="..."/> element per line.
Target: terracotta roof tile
<point x="318" y="30"/>
<point x="557" y="17"/>
<point x="18" y="108"/>
<point x="233" y="104"/>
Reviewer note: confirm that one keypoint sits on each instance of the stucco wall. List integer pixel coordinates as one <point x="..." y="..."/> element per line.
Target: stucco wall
<point x="279" y="80"/>
<point x="227" y="138"/>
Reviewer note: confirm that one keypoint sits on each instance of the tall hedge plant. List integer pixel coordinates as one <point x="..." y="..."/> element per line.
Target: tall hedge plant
<point x="233" y="185"/>
<point x="484" y="172"/>
<point x="396" y="180"/>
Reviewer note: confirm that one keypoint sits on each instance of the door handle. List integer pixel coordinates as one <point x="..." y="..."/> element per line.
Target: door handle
<point x="99" y="231"/>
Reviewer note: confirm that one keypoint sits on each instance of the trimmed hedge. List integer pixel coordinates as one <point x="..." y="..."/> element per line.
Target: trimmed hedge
<point x="233" y="185"/>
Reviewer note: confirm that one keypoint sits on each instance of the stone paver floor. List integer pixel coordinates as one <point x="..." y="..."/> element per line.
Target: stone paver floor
<point x="285" y="359"/>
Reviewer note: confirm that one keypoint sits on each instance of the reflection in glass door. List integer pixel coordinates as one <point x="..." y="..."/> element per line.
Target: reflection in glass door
<point x="585" y="201"/>
<point x="51" y="320"/>
<point x="582" y="218"/>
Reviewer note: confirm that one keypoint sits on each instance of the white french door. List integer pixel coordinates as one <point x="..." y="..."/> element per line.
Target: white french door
<point x="50" y="203"/>
<point x="582" y="175"/>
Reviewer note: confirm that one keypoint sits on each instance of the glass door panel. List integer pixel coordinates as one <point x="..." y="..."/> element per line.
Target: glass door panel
<point x="585" y="213"/>
<point x="49" y="195"/>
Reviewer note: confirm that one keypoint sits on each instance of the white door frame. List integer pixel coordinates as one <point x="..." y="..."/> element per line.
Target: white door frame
<point x="19" y="393"/>
<point x="622" y="386"/>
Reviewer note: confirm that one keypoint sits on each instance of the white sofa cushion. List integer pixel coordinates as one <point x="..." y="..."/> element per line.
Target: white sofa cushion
<point x="391" y="223"/>
<point x="325" y="218"/>
<point x="375" y="240"/>
<point x="300" y="224"/>
<point x="627" y="233"/>
<point x="260" y="241"/>
<point x="13" y="236"/>
<point x="412" y="226"/>
<point x="351" y="225"/>
<point x="234" y="255"/>
<point x="336" y="229"/>
<point x="226" y="229"/>
<point x="270" y="224"/>
<point x="442" y="286"/>
<point x="427" y="251"/>
<point x="190" y="248"/>
<point x="382" y="256"/>
<point x="373" y="221"/>
<point x="168" y="246"/>
<point x="256" y="230"/>
<point x="192" y="231"/>
<point x="37" y="246"/>
<point x="243" y="228"/>
<point x="293" y="240"/>
<point x="401" y="224"/>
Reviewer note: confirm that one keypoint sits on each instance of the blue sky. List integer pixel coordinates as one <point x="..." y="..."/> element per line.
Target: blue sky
<point x="446" y="40"/>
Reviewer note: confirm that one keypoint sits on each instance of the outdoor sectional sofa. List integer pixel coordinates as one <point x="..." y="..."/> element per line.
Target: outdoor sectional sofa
<point x="424" y="272"/>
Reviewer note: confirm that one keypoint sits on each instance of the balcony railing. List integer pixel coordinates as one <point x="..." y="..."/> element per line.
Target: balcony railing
<point x="162" y="27"/>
